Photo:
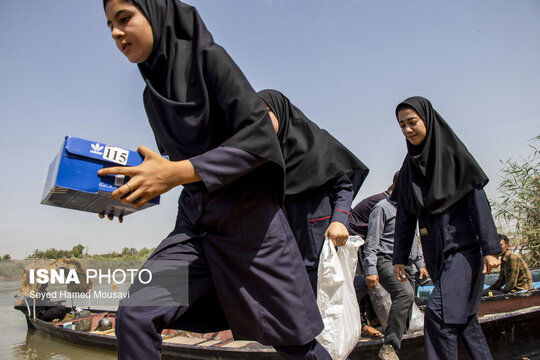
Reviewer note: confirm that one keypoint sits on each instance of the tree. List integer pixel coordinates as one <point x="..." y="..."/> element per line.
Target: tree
<point x="519" y="205"/>
<point x="37" y="254"/>
<point x="77" y="251"/>
<point x="6" y="257"/>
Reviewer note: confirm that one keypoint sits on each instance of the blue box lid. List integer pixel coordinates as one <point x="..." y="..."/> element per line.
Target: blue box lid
<point x="102" y="152"/>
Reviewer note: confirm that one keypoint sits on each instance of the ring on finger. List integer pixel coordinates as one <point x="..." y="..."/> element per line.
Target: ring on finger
<point x="129" y="187"/>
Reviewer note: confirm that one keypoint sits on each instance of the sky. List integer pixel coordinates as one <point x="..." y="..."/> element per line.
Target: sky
<point x="345" y="63"/>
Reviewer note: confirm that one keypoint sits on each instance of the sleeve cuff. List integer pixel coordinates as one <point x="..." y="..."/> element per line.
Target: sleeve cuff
<point x="211" y="181"/>
<point x="341" y="216"/>
<point x="371" y="270"/>
<point x="400" y="260"/>
<point x="492" y="250"/>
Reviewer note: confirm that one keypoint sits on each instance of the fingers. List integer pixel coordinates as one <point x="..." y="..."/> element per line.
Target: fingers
<point x="132" y="195"/>
<point x="110" y="216"/>
<point x="145" y="152"/>
<point x="338" y="233"/>
<point x="369" y="284"/>
<point x="140" y="202"/>
<point x="116" y="170"/>
<point x="396" y="273"/>
<point x="338" y="240"/>
<point x="123" y="190"/>
<point x="488" y="267"/>
<point x="372" y="281"/>
<point x="399" y="272"/>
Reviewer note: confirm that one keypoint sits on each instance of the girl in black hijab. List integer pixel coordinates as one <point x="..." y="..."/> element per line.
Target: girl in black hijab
<point x="231" y="260"/>
<point x="322" y="179"/>
<point x="440" y="185"/>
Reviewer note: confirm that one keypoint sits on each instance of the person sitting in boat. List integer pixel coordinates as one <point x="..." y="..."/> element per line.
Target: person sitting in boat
<point x="378" y="251"/>
<point x="514" y="275"/>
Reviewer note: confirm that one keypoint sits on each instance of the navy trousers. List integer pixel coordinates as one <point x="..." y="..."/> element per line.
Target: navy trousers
<point x="244" y="272"/>
<point x="441" y="340"/>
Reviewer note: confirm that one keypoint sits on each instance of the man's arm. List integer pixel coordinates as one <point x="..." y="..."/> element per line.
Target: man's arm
<point x="371" y="246"/>
<point x="511" y="275"/>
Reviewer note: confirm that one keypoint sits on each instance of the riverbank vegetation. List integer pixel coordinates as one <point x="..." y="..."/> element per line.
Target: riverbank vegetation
<point x="518" y="208"/>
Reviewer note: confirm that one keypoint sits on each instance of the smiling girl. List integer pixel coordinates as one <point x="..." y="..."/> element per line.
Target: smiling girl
<point x="440" y="185"/>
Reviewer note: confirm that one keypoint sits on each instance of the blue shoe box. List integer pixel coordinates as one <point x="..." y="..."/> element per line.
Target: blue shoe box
<point x="73" y="182"/>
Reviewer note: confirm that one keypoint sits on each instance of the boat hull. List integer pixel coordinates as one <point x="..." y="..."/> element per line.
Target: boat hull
<point x="512" y="334"/>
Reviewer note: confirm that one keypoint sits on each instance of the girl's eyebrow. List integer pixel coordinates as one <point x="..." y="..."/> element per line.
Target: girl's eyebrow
<point x="118" y="14"/>
<point x="409" y="118"/>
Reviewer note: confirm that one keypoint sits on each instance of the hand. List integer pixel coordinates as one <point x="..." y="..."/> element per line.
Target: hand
<point x="155" y="176"/>
<point x="111" y="217"/>
<point x="399" y="271"/>
<point x="372" y="281"/>
<point x="423" y="273"/>
<point x="338" y="233"/>
<point x="490" y="262"/>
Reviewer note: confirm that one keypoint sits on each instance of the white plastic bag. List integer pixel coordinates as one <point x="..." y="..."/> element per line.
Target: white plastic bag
<point x="336" y="297"/>
<point x="382" y="302"/>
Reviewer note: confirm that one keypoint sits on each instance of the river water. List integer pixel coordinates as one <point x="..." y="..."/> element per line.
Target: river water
<point x="16" y="342"/>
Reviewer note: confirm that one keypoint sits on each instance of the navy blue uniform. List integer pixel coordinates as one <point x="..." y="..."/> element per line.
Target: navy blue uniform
<point x="310" y="213"/>
<point x="454" y="243"/>
<point x="245" y="270"/>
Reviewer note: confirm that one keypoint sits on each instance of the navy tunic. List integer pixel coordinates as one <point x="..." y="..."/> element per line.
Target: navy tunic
<point x="245" y="270"/>
<point x="454" y="243"/>
<point x="310" y="213"/>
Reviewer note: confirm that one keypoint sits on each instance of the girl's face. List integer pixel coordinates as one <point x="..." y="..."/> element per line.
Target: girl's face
<point x="412" y="126"/>
<point x="130" y="30"/>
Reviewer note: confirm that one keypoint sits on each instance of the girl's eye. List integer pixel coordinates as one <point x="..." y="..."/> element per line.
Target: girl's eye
<point x="402" y="125"/>
<point x="125" y="19"/>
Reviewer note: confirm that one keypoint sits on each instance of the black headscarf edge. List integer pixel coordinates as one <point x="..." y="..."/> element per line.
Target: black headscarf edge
<point x="414" y="191"/>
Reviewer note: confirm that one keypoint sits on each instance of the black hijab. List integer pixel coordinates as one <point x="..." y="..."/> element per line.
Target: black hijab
<point x="438" y="172"/>
<point x="312" y="156"/>
<point x="196" y="98"/>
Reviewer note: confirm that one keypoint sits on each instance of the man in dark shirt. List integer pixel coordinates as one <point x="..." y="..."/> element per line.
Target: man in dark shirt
<point x="514" y="275"/>
<point x="358" y="222"/>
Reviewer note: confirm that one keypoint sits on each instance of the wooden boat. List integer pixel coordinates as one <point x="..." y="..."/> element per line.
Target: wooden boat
<point x="511" y="323"/>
